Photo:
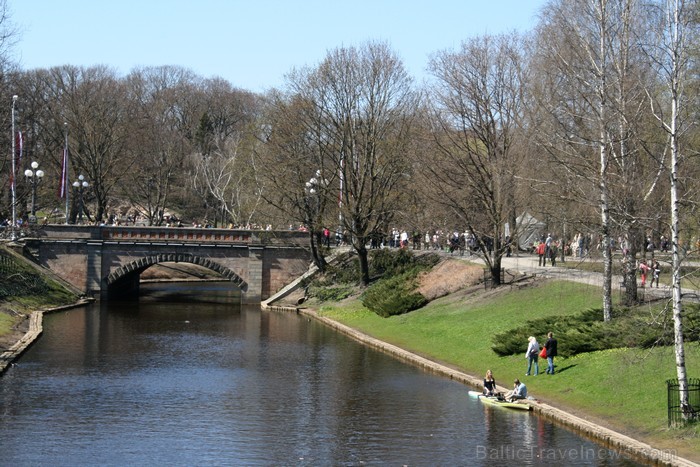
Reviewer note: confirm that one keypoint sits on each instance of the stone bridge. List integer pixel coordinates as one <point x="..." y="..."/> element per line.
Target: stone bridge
<point x="107" y="261"/>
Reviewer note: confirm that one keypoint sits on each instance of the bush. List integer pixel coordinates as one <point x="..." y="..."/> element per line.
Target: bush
<point x="394" y="296"/>
<point x="394" y="293"/>
<point x="394" y="272"/>
<point x="331" y="294"/>
<point x="392" y="262"/>
<point x="587" y="332"/>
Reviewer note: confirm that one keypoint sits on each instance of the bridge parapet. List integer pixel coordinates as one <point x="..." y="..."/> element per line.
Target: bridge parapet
<point x="172" y="234"/>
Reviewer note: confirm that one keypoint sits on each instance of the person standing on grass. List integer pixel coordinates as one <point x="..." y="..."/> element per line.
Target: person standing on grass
<point x="532" y="355"/>
<point x="551" y="346"/>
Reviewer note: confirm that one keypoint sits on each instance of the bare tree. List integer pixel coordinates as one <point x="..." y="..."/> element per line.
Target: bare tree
<point x="228" y="177"/>
<point x="9" y="34"/>
<point x="156" y="138"/>
<point x="224" y="167"/>
<point x="300" y="178"/>
<point x="361" y="104"/>
<point x="477" y="107"/>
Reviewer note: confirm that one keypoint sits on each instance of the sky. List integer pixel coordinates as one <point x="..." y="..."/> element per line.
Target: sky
<point x="252" y="44"/>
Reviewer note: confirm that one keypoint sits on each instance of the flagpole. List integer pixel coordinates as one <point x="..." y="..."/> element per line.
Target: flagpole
<point x="14" y="173"/>
<point x="64" y="181"/>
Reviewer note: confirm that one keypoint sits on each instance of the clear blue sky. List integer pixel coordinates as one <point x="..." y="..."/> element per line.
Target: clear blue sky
<point x="250" y="43"/>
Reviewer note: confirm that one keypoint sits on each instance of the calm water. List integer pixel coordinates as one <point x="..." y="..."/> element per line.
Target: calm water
<point x="198" y="381"/>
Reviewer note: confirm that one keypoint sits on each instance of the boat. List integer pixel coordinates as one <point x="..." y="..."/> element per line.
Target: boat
<point x="502" y="403"/>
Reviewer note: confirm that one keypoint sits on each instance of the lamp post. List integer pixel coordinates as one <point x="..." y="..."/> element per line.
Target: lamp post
<point x="313" y="187"/>
<point x="34" y="176"/>
<point x="313" y="190"/>
<point x="64" y="170"/>
<point x="14" y="171"/>
<point x="80" y="185"/>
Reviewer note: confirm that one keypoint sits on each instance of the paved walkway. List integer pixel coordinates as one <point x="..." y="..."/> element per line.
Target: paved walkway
<point x="527" y="264"/>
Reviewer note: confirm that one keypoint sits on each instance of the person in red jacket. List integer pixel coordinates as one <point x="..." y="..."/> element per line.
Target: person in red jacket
<point x="540" y="253"/>
<point x="643" y="270"/>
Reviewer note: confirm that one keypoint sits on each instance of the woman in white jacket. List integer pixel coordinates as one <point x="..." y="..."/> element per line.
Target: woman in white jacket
<point x="532" y="355"/>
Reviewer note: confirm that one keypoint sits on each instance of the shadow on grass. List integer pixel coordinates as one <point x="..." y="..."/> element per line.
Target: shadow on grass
<point x="562" y="369"/>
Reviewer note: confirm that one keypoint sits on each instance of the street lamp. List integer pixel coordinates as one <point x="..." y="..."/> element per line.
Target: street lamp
<point x="34" y="176"/>
<point x="80" y="185"/>
<point x="313" y="196"/>
<point x="14" y="171"/>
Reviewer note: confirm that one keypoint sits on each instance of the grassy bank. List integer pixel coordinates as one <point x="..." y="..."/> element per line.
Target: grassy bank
<point x="624" y="389"/>
<point x="23" y="289"/>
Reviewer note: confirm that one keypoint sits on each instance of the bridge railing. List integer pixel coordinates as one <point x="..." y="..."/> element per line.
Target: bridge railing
<point x="171" y="235"/>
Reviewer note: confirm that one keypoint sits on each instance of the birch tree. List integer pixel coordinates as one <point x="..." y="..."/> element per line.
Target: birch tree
<point x="670" y="52"/>
<point x="591" y="93"/>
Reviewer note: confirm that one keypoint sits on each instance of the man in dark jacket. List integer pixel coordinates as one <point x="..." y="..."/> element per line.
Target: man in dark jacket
<point x="551" y="346"/>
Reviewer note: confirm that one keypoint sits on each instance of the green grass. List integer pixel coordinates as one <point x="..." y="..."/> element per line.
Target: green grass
<point x="625" y="388"/>
<point x="25" y="289"/>
<point x="6" y="323"/>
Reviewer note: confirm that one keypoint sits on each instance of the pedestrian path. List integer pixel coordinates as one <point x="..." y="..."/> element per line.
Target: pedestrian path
<point x="528" y="264"/>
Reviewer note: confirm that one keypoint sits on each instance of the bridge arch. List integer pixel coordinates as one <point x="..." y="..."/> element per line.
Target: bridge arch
<point x="136" y="267"/>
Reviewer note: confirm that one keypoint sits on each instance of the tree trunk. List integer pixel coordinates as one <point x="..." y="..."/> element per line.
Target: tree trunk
<point x="630" y="264"/>
<point x="603" y="174"/>
<point x="677" y="49"/>
<point x="316" y="255"/>
<point x="364" y="263"/>
<point x="496" y="271"/>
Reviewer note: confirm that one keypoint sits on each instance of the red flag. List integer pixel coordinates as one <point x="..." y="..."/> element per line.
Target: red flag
<point x="20" y="147"/>
<point x="62" y="186"/>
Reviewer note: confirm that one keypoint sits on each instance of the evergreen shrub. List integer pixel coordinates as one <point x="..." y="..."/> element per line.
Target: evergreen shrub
<point x="394" y="296"/>
<point x="587" y="332"/>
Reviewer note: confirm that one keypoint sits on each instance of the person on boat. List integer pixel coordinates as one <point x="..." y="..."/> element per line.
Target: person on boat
<point x="532" y="354"/>
<point x="519" y="391"/>
<point x="489" y="384"/>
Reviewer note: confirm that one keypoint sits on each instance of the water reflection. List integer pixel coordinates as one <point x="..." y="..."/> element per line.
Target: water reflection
<point x="185" y="383"/>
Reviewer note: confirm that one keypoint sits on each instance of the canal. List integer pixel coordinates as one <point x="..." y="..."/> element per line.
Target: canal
<point x="185" y="377"/>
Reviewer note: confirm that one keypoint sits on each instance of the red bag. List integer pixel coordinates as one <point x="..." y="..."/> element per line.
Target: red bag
<point x="543" y="353"/>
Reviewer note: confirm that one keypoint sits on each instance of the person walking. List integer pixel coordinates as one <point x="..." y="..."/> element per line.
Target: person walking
<point x="643" y="270"/>
<point x="532" y="355"/>
<point x="656" y="271"/>
<point x="541" y="260"/>
<point x="551" y="347"/>
<point x="548" y="248"/>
